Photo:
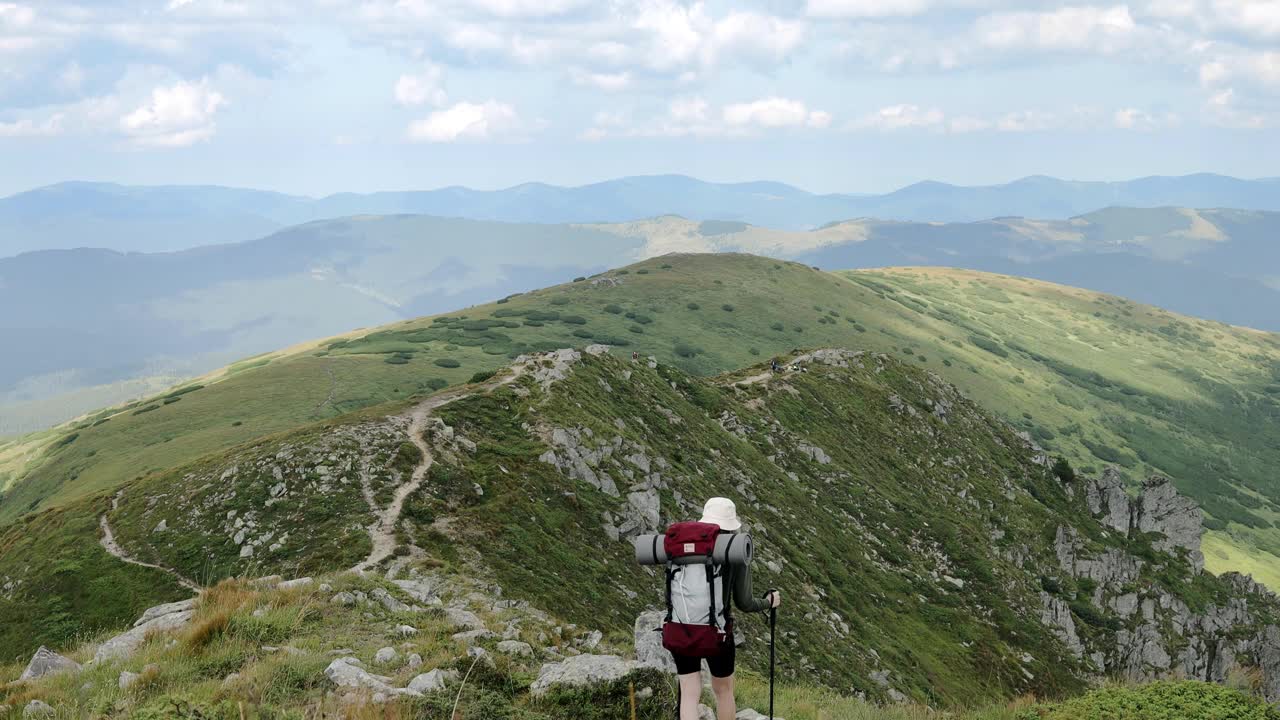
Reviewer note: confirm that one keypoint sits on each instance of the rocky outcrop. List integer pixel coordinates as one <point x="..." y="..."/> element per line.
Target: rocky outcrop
<point x="1056" y="614"/>
<point x="348" y="672"/>
<point x="47" y="662"/>
<point x="1108" y="500"/>
<point x="1160" y="509"/>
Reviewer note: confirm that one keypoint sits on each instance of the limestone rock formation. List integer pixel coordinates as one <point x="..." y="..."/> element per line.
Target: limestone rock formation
<point x="582" y="670"/>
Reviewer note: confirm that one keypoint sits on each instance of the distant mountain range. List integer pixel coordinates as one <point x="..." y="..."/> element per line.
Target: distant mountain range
<point x="168" y="218"/>
<point x="82" y="327"/>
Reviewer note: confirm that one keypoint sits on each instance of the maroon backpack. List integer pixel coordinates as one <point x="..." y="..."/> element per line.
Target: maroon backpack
<point x="699" y="620"/>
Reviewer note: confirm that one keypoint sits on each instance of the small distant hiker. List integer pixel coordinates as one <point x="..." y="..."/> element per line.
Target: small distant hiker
<point x="634" y="356"/>
<point x="699" y="621"/>
<point x="774" y="366"/>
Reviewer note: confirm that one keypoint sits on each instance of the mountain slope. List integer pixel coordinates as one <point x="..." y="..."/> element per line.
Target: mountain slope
<point x="154" y="318"/>
<point x="926" y="550"/>
<point x="167" y="218"/>
<point x="1096" y="378"/>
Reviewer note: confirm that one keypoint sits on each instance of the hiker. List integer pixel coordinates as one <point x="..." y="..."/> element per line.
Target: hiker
<point x="700" y="627"/>
<point x="634" y="356"/>
<point x="773" y="365"/>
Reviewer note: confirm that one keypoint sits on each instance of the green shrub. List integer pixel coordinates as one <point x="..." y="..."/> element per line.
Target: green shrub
<point x="642" y="271"/>
<point x="778" y="327"/>
<point x="574" y="320"/>
<point x="613" y="309"/>
<point x="447" y="363"/>
<point x="560" y="300"/>
<point x="580" y="278"/>
<point x="643" y="319"/>
<point x="636" y="329"/>
<point x="583" y="333"/>
<point x="534" y="323"/>
<point x="754" y="351"/>
<point x="693" y="306"/>
<point x="436" y="383"/>
<point x="146" y="409"/>
<point x="686" y="350"/>
<point x="726" y="307"/>
<point x="482" y="376"/>
<point x="1163" y="700"/>
<point x="1063" y="470"/>
<point x="990" y="346"/>
<point x="666" y="266"/>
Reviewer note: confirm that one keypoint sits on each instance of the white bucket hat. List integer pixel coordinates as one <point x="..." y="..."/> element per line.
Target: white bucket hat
<point x="721" y="511"/>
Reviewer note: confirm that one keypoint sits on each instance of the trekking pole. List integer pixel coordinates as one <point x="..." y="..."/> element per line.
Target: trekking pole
<point x="773" y="625"/>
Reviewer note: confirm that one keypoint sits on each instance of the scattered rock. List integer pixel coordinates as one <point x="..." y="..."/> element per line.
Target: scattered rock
<point x="346" y="672"/>
<point x="37" y="709"/>
<point x="385" y="656"/>
<point x="47" y="662"/>
<point x="390" y="603"/>
<point x="515" y="647"/>
<point x="405" y="630"/>
<point x="343" y="598"/>
<point x="415" y="661"/>
<point x="298" y="583"/>
<point x="325" y="588"/>
<point x="430" y="682"/>
<point x="473" y="635"/>
<point x="749" y="714"/>
<point x="463" y="619"/>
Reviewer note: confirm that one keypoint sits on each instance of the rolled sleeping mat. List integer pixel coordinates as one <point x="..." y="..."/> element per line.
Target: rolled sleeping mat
<point x="732" y="549"/>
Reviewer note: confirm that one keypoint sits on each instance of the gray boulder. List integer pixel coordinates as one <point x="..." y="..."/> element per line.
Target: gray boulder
<point x="582" y="670"/>
<point x="649" y="650"/>
<point x="749" y="714"/>
<point x="430" y="682"/>
<point x="47" y="662"/>
<point x="515" y="647"/>
<point x="463" y="619"/>
<point x="385" y="656"/>
<point x="346" y="672"/>
<point x="127" y="679"/>
<point x="162" y="618"/>
<point x="298" y="583"/>
<point x="390" y="603"/>
<point x="37" y="709"/>
<point x="343" y="598"/>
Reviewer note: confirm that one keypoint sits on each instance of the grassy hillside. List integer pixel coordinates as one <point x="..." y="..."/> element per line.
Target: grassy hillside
<point x="1097" y="378"/>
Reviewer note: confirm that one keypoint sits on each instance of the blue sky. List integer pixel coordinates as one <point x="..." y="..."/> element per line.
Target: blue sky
<point x="319" y="96"/>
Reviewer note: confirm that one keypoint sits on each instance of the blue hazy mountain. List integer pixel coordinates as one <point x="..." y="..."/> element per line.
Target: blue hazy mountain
<point x="155" y="219"/>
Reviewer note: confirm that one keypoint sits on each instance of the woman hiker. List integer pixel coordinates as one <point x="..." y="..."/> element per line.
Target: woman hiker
<point x="721" y="511"/>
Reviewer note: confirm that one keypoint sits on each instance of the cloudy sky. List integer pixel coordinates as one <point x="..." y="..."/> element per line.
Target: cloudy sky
<point x="318" y="96"/>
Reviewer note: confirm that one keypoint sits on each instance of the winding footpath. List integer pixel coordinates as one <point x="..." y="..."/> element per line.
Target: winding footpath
<point x="108" y="542"/>
<point x="383" y="530"/>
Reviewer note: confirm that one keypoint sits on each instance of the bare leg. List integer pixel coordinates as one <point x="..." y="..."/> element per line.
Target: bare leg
<point x="690" y="695"/>
<point x="726" y="706"/>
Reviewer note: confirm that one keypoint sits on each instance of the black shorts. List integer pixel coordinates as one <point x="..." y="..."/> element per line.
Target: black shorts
<point x="721" y="666"/>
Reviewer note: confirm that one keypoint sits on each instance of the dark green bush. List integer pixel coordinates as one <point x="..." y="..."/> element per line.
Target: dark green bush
<point x="145" y="409"/>
<point x="636" y="329"/>
<point x="580" y="278"/>
<point x="448" y="363"/>
<point x="613" y="309"/>
<point x="574" y="320"/>
<point x="560" y="300"/>
<point x="436" y="383"/>
<point x="583" y="333"/>
<point x="482" y="376"/>
<point x="693" y="306"/>
<point x="777" y="326"/>
<point x="686" y="350"/>
<point x="726" y="307"/>
<point x="1162" y="700"/>
<point x="990" y="346"/>
<point x="643" y="319"/>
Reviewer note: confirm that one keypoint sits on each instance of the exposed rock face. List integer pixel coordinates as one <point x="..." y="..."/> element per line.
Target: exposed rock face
<point x="47" y="662"/>
<point x="1056" y="614"/>
<point x="582" y="670"/>
<point x="1107" y="498"/>
<point x="1160" y="509"/>
<point x="433" y="681"/>
<point x="38" y="709"/>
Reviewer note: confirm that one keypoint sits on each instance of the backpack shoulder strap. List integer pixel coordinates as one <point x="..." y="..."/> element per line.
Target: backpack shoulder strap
<point x="712" y="620"/>
<point x="671" y="574"/>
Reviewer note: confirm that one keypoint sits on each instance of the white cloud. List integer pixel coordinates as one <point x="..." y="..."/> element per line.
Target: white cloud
<point x="900" y="117"/>
<point x="26" y="127"/>
<point x="1069" y="28"/>
<point x="527" y="8"/>
<point x="1135" y="119"/>
<point x="967" y="124"/>
<point x="466" y="121"/>
<point x="865" y="8"/>
<point x="773" y="112"/>
<point x="174" y="116"/>
<point x="422" y="88"/>
<point x="818" y="119"/>
<point x="608" y="82"/>
<point x="1026" y="121"/>
<point x="688" y="110"/>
